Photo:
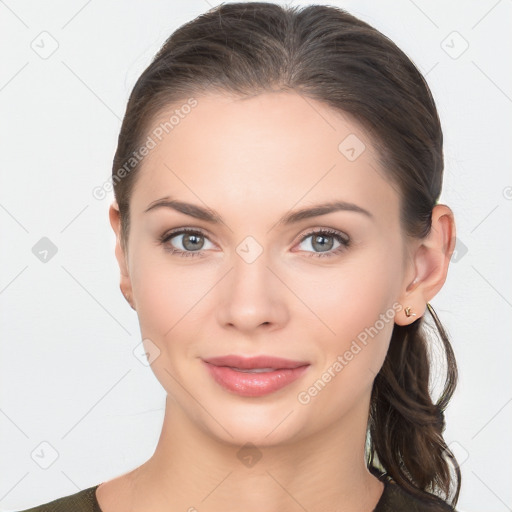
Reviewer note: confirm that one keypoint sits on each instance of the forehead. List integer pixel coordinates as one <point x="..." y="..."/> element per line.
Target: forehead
<point x="277" y="148"/>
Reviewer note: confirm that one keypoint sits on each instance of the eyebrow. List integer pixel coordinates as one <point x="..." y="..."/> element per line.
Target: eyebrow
<point x="212" y="216"/>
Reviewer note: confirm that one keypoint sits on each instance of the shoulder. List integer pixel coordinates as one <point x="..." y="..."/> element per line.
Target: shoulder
<point x="82" y="501"/>
<point x="396" y="499"/>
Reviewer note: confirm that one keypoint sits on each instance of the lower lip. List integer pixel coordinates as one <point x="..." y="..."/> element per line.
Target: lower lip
<point x="254" y="384"/>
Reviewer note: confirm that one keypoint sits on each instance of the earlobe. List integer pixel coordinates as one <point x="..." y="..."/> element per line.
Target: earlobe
<point x="125" y="282"/>
<point x="431" y="261"/>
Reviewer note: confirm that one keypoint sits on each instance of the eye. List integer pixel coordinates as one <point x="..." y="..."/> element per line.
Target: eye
<point x="319" y="238"/>
<point x="192" y="240"/>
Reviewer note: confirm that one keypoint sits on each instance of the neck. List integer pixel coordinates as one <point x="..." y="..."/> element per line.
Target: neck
<point x="190" y="470"/>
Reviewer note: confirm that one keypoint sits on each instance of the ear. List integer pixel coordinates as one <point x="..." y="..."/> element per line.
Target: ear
<point x="122" y="259"/>
<point x="428" y="266"/>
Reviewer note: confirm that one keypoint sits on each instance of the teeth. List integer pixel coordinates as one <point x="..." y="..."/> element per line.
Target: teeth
<point x="255" y="370"/>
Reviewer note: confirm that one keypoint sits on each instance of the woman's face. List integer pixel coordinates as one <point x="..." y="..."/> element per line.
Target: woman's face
<point x="251" y="285"/>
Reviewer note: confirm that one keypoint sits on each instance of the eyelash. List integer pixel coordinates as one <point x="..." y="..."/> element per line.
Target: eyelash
<point x="344" y="241"/>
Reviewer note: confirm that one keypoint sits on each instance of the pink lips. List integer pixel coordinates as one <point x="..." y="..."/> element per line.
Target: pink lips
<point x="276" y="373"/>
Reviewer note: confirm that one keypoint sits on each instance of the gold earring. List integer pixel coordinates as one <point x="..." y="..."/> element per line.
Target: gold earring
<point x="408" y="312"/>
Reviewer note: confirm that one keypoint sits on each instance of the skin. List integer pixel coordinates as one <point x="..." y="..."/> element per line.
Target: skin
<point x="252" y="161"/>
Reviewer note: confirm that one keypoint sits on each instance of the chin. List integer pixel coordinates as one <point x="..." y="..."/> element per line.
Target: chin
<point x="264" y="424"/>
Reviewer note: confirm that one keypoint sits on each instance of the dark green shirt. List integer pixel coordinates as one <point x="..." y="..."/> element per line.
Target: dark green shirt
<point x="393" y="499"/>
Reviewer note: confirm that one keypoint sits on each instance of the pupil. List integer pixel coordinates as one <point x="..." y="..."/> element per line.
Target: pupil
<point x="322" y="245"/>
<point x="194" y="239"/>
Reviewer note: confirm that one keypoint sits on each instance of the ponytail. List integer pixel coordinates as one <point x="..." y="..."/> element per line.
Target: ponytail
<point x="405" y="426"/>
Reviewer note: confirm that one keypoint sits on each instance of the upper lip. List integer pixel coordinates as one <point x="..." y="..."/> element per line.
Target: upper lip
<point x="249" y="363"/>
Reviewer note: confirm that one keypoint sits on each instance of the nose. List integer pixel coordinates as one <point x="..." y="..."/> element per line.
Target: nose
<point x="252" y="295"/>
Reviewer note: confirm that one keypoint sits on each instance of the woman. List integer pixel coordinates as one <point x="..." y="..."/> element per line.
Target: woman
<point x="278" y="232"/>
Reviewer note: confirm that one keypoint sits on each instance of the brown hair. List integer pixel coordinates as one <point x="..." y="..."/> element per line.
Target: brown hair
<point x="324" y="53"/>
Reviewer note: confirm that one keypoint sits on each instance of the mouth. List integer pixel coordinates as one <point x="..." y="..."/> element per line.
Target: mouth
<point x="262" y="362"/>
<point x="254" y="376"/>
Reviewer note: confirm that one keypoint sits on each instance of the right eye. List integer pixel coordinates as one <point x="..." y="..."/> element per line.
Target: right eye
<point x="192" y="241"/>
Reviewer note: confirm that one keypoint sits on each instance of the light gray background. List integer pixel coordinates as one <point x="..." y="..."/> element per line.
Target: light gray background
<point x="71" y="387"/>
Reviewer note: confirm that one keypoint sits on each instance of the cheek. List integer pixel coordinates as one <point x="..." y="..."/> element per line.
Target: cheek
<point x="168" y="295"/>
<point x="344" y="300"/>
<point x="169" y="303"/>
<point x="351" y="318"/>
<point x="350" y="351"/>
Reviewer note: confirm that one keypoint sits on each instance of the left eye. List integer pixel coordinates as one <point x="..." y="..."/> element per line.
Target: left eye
<point x="318" y="238"/>
<point x="193" y="242"/>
